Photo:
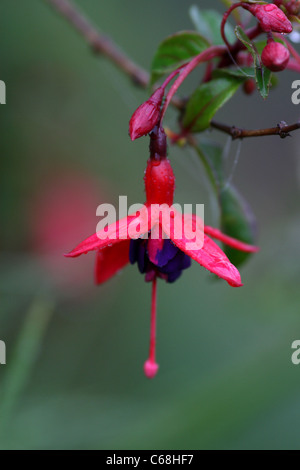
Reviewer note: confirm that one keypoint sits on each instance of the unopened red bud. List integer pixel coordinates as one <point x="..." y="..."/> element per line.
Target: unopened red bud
<point x="293" y="7"/>
<point x="275" y="56"/>
<point x="270" y="17"/>
<point x="249" y="86"/>
<point x="146" y="116"/>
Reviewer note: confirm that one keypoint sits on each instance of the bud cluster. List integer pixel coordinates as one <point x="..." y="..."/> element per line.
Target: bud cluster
<point x="272" y="19"/>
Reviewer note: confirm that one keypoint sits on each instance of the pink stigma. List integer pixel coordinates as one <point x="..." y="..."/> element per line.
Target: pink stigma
<point x="150" y="369"/>
<point x="150" y="366"/>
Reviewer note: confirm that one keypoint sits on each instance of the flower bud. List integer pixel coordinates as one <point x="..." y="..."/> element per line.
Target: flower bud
<point x="146" y="115"/>
<point x="249" y="86"/>
<point x="293" y="7"/>
<point x="275" y="56"/>
<point x="270" y="17"/>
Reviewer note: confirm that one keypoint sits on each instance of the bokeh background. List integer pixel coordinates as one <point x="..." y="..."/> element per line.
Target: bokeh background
<point x="75" y="352"/>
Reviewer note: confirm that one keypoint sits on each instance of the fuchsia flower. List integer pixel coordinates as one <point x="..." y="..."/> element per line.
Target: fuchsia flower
<point x="150" y="238"/>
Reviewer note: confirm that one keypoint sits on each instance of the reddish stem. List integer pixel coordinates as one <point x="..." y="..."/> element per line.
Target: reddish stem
<point x="291" y="49"/>
<point x="208" y="72"/>
<point x="293" y="65"/>
<point x="252" y="33"/>
<point x="225" y="18"/>
<point x="171" y="76"/>
<point x="206" y="55"/>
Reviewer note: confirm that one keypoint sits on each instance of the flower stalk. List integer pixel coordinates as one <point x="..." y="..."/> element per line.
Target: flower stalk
<point x="150" y="366"/>
<point x="207" y="55"/>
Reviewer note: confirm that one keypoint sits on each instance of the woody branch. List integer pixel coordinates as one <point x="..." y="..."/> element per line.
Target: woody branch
<point x="103" y="44"/>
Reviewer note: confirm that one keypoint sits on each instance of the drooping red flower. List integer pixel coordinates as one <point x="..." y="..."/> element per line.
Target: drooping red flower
<point x="160" y="239"/>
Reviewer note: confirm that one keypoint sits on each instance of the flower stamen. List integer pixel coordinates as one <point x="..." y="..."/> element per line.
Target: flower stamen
<point x="150" y="366"/>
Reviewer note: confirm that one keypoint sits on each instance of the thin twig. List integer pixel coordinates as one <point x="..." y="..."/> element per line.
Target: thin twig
<point x="102" y="44"/>
<point x="282" y="129"/>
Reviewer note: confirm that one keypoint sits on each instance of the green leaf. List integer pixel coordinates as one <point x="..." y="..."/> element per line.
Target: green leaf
<point x="175" y="51"/>
<point x="208" y="23"/>
<point x="237" y="221"/>
<point x="261" y="44"/>
<point x="242" y="72"/>
<point x="262" y="74"/>
<point x="236" y="217"/>
<point x="24" y="358"/>
<point x="206" y="101"/>
<point x="263" y="80"/>
<point x="210" y="153"/>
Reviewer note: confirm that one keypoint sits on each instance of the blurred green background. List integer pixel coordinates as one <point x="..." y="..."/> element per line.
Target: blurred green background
<point x="74" y="378"/>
